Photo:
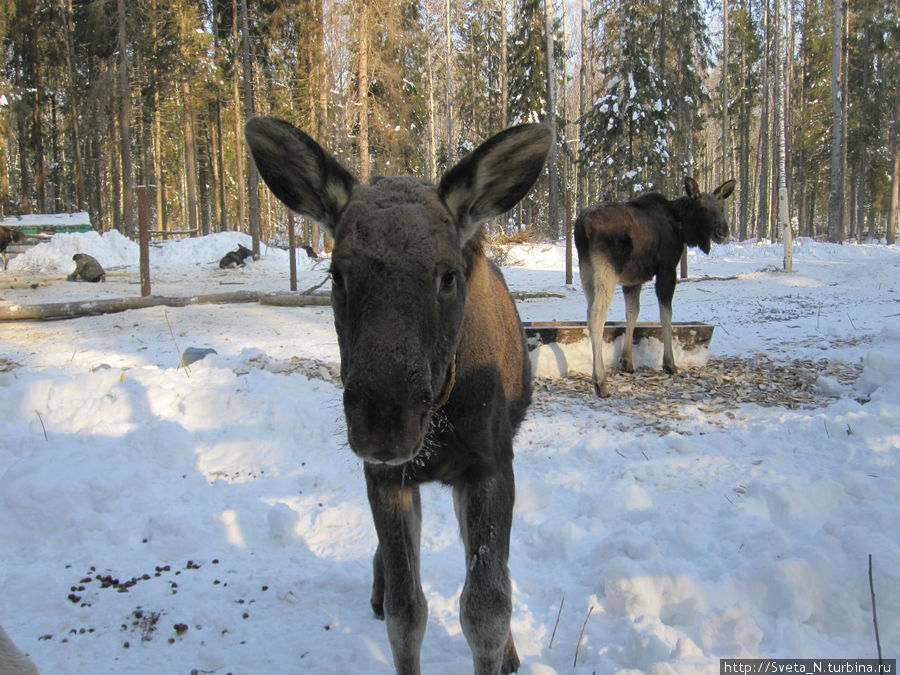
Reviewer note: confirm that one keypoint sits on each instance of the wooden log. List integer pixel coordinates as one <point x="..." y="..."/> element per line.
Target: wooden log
<point x="172" y="232"/>
<point x="534" y="295"/>
<point x="75" y="309"/>
<point x="295" y="299"/>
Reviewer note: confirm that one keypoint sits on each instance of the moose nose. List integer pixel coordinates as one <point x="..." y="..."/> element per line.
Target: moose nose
<point x="720" y="233"/>
<point x="384" y="432"/>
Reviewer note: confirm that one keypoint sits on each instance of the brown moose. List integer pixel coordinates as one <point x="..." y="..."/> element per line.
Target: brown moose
<point x="433" y="361"/>
<point x="630" y="243"/>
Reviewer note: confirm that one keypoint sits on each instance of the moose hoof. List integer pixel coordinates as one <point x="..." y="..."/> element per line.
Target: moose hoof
<point x="511" y="661"/>
<point x="670" y="368"/>
<point x="510" y="666"/>
<point x="602" y="389"/>
<point x="626" y="366"/>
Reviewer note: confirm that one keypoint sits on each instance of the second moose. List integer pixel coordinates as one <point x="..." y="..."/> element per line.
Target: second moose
<point x="629" y="243"/>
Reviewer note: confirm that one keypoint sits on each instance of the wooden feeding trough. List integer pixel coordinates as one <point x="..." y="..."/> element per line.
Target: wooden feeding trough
<point x="689" y="335"/>
<point x="561" y="347"/>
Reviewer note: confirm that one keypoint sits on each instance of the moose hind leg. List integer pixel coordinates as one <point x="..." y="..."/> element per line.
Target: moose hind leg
<point x="603" y="283"/>
<point x="397" y="512"/>
<point x="632" y="310"/>
<point x="484" y="509"/>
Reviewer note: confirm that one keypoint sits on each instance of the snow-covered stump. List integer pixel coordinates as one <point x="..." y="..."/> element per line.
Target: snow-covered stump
<point x="559" y="348"/>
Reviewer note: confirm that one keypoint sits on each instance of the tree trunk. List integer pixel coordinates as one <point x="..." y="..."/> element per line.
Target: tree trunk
<point x="552" y="168"/>
<point x="744" y="170"/>
<point x="567" y="159"/>
<point x="322" y="83"/>
<point x="891" y="234"/>
<point x="804" y="224"/>
<point x="4" y="176"/>
<point x="363" y="91"/>
<point x="763" y="212"/>
<point x="835" y="222"/>
<point x="77" y="170"/>
<point x="451" y="139"/>
<point x="238" y="134"/>
<point x="125" y="129"/>
<point x="219" y="170"/>
<point x="726" y="125"/>
<point x="845" y="116"/>
<point x="430" y="131"/>
<point x="583" y="98"/>
<point x="252" y="176"/>
<point x="37" y="151"/>
<point x="190" y="158"/>
<point x="861" y="182"/>
<point x="504" y="68"/>
<point x="784" y="225"/>
<point x="24" y="179"/>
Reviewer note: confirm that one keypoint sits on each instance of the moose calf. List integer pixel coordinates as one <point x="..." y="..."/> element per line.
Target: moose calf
<point x="236" y="257"/>
<point x="433" y="361"/>
<point x="630" y="243"/>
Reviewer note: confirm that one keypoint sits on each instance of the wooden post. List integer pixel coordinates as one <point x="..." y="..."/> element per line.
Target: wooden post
<point x="144" y="238"/>
<point x="292" y="249"/>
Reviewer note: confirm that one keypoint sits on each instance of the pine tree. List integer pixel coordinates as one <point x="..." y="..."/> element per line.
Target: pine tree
<point x="627" y="130"/>
<point x="527" y="64"/>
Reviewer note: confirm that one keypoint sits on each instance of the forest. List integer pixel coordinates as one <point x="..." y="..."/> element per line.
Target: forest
<point x="799" y="98"/>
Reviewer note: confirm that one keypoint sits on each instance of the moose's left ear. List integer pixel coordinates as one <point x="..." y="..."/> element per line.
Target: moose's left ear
<point x="493" y="178"/>
<point x="725" y="189"/>
<point x="691" y="189"/>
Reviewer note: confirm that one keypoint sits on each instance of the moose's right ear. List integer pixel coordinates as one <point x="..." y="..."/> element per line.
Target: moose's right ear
<point x="298" y="171"/>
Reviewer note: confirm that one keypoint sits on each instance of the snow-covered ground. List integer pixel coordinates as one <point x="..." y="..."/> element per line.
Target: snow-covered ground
<point x="161" y="520"/>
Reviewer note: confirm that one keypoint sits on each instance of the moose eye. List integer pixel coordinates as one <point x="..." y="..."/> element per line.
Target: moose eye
<point x="447" y="283"/>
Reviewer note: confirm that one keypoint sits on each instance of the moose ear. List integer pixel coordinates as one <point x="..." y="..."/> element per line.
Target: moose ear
<point x="691" y="189"/>
<point x="493" y="178"/>
<point x="725" y="189"/>
<point x="298" y="171"/>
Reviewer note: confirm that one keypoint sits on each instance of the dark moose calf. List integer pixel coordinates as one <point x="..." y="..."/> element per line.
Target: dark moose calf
<point x="433" y="361"/>
<point x="630" y="243"/>
<point x="236" y="257"/>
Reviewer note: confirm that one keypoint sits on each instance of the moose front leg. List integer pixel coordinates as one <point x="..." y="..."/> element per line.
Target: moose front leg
<point x="665" y="290"/>
<point x="397" y="589"/>
<point x="484" y="509"/>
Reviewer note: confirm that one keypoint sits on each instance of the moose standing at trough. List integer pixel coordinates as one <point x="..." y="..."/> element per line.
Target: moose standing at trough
<point x="630" y="243"/>
<point x="433" y="361"/>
